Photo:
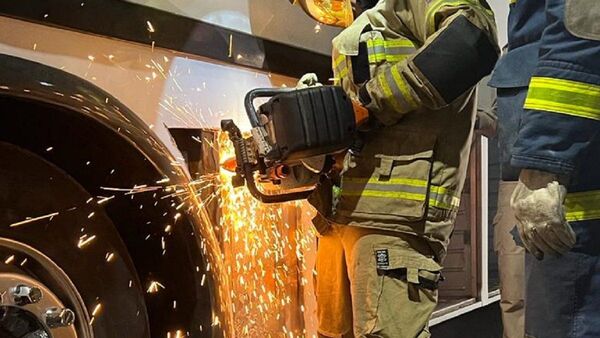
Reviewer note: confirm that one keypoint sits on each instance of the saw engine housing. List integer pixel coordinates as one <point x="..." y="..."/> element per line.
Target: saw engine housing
<point x="294" y="137"/>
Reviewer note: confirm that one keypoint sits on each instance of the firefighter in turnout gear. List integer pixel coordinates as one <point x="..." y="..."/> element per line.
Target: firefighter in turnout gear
<point x="386" y="220"/>
<point x="551" y="72"/>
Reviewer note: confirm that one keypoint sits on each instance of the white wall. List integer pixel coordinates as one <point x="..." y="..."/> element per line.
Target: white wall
<point x="500" y="8"/>
<point x="276" y="20"/>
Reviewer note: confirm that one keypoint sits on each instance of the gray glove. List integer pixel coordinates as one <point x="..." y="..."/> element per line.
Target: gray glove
<point x="538" y="203"/>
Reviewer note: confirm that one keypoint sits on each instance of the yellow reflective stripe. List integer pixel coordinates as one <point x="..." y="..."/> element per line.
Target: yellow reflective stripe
<point x="376" y="50"/>
<point x="403" y="87"/>
<point x="565" y="85"/>
<point x="443" y="198"/>
<point x="564" y="97"/>
<point x="339" y="67"/>
<point x="339" y="60"/>
<point x="440" y="205"/>
<point x="385" y="194"/>
<point x="583" y="206"/>
<point x="398" y="43"/>
<point x="388" y="91"/>
<point x="414" y="182"/>
<point x="439" y="197"/>
<point x="436" y="6"/>
<point x="391" y="51"/>
<point x="439" y="4"/>
<point x="343" y="73"/>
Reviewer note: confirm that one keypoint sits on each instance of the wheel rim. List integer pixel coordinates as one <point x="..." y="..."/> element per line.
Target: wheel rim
<point x="38" y="294"/>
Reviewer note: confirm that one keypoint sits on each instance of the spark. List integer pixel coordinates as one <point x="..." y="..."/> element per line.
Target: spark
<point x="49" y="148"/>
<point x="10" y="259"/>
<point x="105" y="199"/>
<point x="97" y="309"/>
<point x="150" y="27"/>
<point x="85" y="240"/>
<point x="155" y="287"/>
<point x="34" y="219"/>
<point x="109" y="257"/>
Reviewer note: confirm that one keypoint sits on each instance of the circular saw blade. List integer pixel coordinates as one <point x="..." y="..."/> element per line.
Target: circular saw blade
<point x="315" y="164"/>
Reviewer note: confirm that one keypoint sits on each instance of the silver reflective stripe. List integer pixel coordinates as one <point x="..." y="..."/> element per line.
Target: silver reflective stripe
<point x="399" y="89"/>
<point x="390" y="51"/>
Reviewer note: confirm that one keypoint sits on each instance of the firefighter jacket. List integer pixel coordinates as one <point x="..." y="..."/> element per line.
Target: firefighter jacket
<point x="413" y="64"/>
<point x="561" y="120"/>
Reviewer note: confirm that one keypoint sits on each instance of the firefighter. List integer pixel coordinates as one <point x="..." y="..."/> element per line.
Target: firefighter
<point x="385" y="222"/>
<point x="511" y="78"/>
<point x="557" y="198"/>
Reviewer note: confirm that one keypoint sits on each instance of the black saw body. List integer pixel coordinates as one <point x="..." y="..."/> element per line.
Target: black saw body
<point x="294" y="135"/>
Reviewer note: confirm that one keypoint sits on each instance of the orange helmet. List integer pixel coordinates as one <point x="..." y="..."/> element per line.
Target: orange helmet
<point x="328" y="12"/>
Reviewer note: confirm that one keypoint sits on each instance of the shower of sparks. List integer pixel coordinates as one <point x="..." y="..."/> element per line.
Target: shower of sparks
<point x="255" y="253"/>
<point x="263" y="247"/>
<point x="34" y="219"/>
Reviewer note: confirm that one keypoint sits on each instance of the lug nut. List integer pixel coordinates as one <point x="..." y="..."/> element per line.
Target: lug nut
<point x="56" y="317"/>
<point x="25" y="295"/>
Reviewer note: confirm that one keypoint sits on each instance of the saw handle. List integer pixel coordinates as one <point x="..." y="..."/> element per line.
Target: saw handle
<point x="269" y="199"/>
<point x="256" y="93"/>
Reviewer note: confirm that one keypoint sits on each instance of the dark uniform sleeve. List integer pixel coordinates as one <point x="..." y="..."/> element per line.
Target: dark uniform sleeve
<point x="459" y="49"/>
<point x="562" y="109"/>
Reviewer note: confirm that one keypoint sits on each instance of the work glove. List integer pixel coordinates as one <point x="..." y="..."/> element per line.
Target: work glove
<point x="361" y="114"/>
<point x="538" y="203"/>
<point x="308" y="80"/>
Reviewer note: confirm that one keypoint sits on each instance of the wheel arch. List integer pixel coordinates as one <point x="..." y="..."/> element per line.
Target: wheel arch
<point x="103" y="145"/>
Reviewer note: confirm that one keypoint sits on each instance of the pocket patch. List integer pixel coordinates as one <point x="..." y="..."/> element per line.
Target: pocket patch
<point x="582" y="18"/>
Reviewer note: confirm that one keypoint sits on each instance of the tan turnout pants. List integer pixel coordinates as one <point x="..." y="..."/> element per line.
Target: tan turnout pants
<point x="511" y="265"/>
<point x="373" y="283"/>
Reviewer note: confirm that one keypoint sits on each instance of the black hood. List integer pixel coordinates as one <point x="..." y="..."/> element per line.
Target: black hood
<point x="366" y="4"/>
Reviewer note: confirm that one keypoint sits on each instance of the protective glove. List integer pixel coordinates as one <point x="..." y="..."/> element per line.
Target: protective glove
<point x="308" y="80"/>
<point x="361" y="114"/>
<point x="538" y="203"/>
